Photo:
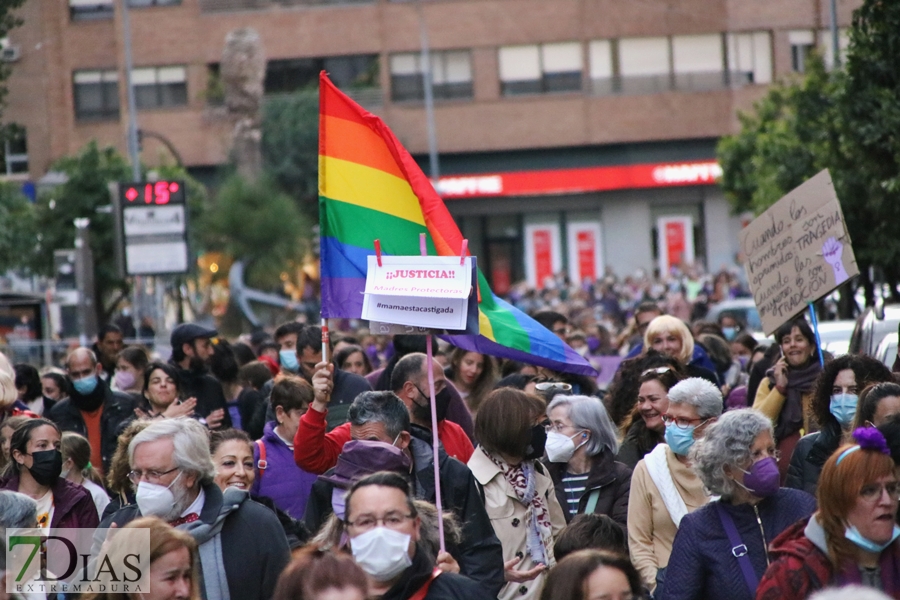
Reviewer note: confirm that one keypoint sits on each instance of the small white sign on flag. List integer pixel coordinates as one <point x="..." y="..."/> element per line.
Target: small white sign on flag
<point x="421" y="291"/>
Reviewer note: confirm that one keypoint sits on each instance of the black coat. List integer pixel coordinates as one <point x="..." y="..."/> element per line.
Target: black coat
<point x="446" y="586"/>
<point x="206" y="389"/>
<point x="254" y="547"/>
<point x="118" y="411"/>
<point x="611" y="477"/>
<point x="810" y="455"/>
<point x="479" y="554"/>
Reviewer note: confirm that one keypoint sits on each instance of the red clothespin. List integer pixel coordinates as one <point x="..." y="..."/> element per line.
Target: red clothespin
<point x="462" y="252"/>
<point x="378" y="251"/>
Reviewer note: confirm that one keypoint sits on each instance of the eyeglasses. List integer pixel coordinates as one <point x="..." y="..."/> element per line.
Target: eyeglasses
<point x="392" y="520"/>
<point x="148" y="476"/>
<point x="681" y="422"/>
<point x="873" y="491"/>
<point x="562" y="331"/>
<point x="553" y="385"/>
<point x="657" y="371"/>
<point x="558" y="427"/>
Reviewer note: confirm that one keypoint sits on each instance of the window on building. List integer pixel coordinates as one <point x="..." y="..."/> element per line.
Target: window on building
<point x="749" y="57"/>
<point x="96" y="94"/>
<point x="698" y="62"/>
<point x="352" y="73"/>
<point x="644" y="65"/>
<point x="802" y="42"/>
<point x="826" y="46"/>
<point x="540" y="68"/>
<point x="159" y="87"/>
<point x="84" y="10"/>
<point x="600" y="57"/>
<point x="15" y="151"/>
<point x="451" y="75"/>
<point x="146" y="3"/>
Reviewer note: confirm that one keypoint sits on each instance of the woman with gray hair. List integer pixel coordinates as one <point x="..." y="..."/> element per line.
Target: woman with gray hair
<point x="581" y="459"/>
<point x="17" y="511"/>
<point x="664" y="488"/>
<point x="721" y="550"/>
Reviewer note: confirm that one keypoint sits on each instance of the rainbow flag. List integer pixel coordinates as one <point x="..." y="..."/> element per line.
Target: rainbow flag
<point x="371" y="188"/>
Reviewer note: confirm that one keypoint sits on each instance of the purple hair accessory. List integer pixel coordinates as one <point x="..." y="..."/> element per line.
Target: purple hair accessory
<point x="869" y="438"/>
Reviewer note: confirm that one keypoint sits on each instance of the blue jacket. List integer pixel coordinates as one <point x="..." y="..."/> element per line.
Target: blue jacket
<point x="286" y="484"/>
<point x="702" y="566"/>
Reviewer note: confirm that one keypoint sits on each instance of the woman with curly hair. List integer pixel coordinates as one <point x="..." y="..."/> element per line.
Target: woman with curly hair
<point x="721" y="549"/>
<point x="834" y="405"/>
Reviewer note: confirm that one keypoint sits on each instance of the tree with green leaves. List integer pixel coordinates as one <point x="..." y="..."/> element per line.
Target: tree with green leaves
<point x="290" y="146"/>
<point x="257" y="223"/>
<point x="845" y="121"/>
<point x="9" y="20"/>
<point x="17" y="227"/>
<point x="85" y="194"/>
<point x="85" y="191"/>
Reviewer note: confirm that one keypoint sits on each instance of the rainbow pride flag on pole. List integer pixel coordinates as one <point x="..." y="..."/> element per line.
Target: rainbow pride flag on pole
<point x="371" y="188"/>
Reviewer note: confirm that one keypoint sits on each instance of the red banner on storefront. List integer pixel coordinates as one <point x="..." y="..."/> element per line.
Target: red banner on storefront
<point x="588" y="179"/>
<point x="543" y="255"/>
<point x="587" y="252"/>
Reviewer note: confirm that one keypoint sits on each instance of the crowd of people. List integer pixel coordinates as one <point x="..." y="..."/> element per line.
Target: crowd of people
<point x="707" y="466"/>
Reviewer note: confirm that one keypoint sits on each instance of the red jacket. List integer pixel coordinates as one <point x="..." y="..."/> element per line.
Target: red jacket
<point x="316" y="451"/>
<point x="799" y="568"/>
<point x="73" y="505"/>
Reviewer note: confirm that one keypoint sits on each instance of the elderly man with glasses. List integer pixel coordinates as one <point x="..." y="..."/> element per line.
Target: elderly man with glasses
<point x="242" y="545"/>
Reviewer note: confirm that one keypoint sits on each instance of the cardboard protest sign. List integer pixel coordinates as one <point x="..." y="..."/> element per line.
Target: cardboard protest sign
<point x="415" y="293"/>
<point x="797" y="251"/>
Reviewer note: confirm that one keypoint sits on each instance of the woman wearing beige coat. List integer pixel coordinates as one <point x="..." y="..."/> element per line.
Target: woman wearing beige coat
<point x="519" y="496"/>
<point x="664" y="488"/>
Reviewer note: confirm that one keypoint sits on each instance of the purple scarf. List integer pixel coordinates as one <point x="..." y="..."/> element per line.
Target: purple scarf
<point x="800" y="382"/>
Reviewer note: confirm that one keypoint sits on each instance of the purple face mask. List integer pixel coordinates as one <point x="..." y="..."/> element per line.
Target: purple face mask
<point x="763" y="478"/>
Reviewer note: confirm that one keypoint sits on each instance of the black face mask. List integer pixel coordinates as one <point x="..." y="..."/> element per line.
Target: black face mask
<point x="46" y="466"/>
<point x="535" y="448"/>
<point x="441" y="404"/>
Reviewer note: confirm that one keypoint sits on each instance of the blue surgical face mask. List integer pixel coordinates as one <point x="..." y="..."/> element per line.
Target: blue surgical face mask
<point x="288" y="359"/>
<point x="85" y="385"/>
<point x="679" y="440"/>
<point x="843" y="407"/>
<point x="729" y="332"/>
<point x="853" y="534"/>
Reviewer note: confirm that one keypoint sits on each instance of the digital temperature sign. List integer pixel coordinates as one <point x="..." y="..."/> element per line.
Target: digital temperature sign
<point x="151" y="193"/>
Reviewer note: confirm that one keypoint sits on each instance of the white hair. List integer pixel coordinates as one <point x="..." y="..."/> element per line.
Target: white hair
<point x="699" y="393"/>
<point x="190" y="440"/>
<point x="727" y="442"/>
<point x="587" y="412"/>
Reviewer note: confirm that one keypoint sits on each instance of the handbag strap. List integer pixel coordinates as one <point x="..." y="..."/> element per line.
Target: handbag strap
<point x="592" y="502"/>
<point x="261" y="464"/>
<point x="739" y="549"/>
<point x="423" y="591"/>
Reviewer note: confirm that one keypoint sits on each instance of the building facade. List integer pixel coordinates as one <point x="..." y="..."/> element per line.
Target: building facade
<point x="573" y="134"/>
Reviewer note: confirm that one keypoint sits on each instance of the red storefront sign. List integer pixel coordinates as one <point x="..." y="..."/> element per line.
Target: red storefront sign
<point x="587" y="252"/>
<point x="543" y="255"/>
<point x="675" y="242"/>
<point x="588" y="179"/>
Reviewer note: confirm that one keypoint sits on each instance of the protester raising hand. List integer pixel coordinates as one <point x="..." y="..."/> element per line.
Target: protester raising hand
<point x="323" y="384"/>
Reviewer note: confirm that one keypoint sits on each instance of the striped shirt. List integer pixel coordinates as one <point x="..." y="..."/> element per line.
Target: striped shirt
<point x="574" y="486"/>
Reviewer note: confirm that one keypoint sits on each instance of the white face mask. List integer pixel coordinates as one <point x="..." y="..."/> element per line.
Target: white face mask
<point x="381" y="552"/>
<point x="155" y="500"/>
<point x="560" y="448"/>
